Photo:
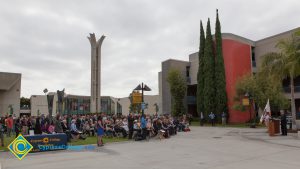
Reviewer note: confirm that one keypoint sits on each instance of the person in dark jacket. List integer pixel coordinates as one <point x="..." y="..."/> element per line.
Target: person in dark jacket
<point x="78" y="123"/>
<point x="65" y="126"/>
<point x="130" y="125"/>
<point x="1" y="133"/>
<point x="17" y="127"/>
<point x="38" y="127"/>
<point x="283" y="123"/>
<point x="58" y="127"/>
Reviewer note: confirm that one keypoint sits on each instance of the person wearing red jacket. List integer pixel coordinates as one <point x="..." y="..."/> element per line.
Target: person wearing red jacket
<point x="9" y="125"/>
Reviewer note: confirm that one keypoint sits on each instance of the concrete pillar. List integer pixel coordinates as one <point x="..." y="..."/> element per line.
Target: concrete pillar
<point x="95" y="106"/>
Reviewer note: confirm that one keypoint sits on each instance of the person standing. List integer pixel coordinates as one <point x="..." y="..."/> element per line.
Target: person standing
<point x="38" y="128"/>
<point x="283" y="123"/>
<point x="130" y="125"/>
<point x="201" y="119"/>
<point x="9" y="125"/>
<point x="212" y="117"/>
<point x="190" y="118"/>
<point x="24" y="126"/>
<point x="143" y="126"/>
<point x="1" y="133"/>
<point x="17" y="127"/>
<point x="224" y="118"/>
<point x="100" y="132"/>
<point x="267" y="118"/>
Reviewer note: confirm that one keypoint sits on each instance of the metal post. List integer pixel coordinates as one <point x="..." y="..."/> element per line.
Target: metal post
<point x="250" y="109"/>
<point x="142" y="98"/>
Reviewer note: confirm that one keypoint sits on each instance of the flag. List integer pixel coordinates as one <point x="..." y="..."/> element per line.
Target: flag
<point x="262" y="118"/>
<point x="267" y="109"/>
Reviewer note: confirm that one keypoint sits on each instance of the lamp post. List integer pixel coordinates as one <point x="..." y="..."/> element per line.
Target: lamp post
<point x="143" y="88"/>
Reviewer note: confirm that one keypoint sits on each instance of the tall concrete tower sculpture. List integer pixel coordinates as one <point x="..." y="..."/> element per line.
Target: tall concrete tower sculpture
<point x="95" y="103"/>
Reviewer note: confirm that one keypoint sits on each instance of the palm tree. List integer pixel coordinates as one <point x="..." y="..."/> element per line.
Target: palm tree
<point x="284" y="64"/>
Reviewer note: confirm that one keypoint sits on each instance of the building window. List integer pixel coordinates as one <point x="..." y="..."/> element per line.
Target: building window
<point x="188" y="71"/>
<point x="253" y="56"/>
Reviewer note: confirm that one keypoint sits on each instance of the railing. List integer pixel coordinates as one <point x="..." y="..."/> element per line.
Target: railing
<point x="288" y="89"/>
<point x="191" y="99"/>
<point x="188" y="79"/>
<point x="298" y="115"/>
<point x="253" y="64"/>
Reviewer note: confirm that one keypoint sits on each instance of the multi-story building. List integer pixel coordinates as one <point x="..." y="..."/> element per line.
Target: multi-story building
<point x="72" y="104"/>
<point x="241" y="56"/>
<point x="76" y="104"/>
<point x="10" y="91"/>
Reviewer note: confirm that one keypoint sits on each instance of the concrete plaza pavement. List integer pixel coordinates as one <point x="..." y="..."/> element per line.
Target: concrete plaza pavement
<point x="202" y="148"/>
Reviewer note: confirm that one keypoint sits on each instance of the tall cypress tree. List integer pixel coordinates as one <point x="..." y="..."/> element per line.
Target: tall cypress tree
<point x="208" y="73"/>
<point x="200" y="76"/>
<point x="220" y="82"/>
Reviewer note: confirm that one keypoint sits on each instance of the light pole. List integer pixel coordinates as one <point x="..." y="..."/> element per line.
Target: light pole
<point x="143" y="88"/>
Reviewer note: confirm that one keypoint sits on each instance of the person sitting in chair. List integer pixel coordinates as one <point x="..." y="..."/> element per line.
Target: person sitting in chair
<point x="74" y="131"/>
<point x="119" y="129"/>
<point x="66" y="129"/>
<point x="137" y="130"/>
<point x="109" y="129"/>
<point x="165" y="128"/>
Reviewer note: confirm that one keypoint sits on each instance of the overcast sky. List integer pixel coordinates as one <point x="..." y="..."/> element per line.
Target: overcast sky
<point x="47" y="41"/>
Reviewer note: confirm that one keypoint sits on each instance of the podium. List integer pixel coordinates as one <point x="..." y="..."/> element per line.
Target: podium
<point x="274" y="127"/>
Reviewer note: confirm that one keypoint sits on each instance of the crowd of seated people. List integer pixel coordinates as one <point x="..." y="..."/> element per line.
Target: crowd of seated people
<point x="133" y="126"/>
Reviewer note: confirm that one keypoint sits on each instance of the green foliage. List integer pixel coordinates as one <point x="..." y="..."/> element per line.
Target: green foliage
<point x="260" y="88"/>
<point x="208" y="73"/>
<point x="24" y="102"/>
<point x="220" y="82"/>
<point x="200" y="76"/>
<point x="178" y="89"/>
<point x="284" y="64"/>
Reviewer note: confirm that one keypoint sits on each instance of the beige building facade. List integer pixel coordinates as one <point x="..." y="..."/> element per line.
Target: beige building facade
<point x="150" y="99"/>
<point x="164" y="88"/>
<point x="39" y="105"/>
<point x="10" y="91"/>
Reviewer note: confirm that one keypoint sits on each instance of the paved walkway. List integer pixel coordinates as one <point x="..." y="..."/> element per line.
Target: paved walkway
<point x="204" y="148"/>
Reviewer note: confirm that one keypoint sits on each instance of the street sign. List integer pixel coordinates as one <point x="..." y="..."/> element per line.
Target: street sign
<point x="143" y="106"/>
<point x="136" y="97"/>
<point x="246" y="102"/>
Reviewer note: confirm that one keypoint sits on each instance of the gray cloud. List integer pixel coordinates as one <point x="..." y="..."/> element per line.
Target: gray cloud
<point x="46" y="40"/>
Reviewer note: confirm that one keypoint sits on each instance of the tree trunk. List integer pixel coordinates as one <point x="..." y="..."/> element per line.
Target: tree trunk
<point x="293" y="106"/>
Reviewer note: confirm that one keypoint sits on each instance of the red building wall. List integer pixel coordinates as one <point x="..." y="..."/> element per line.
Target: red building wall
<point x="237" y="61"/>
